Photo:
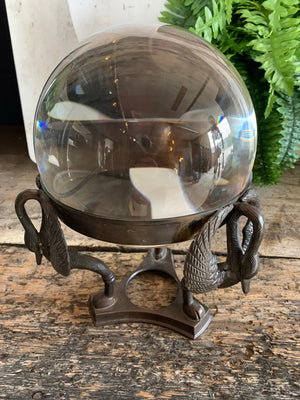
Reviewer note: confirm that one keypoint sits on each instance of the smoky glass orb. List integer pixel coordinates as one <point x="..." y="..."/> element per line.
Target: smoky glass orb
<point x="144" y="124"/>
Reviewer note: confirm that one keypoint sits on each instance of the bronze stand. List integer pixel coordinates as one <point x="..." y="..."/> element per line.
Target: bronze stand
<point x="172" y="316"/>
<point x="202" y="273"/>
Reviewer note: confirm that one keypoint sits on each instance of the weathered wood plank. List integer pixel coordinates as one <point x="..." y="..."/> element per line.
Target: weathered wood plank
<point x="50" y="350"/>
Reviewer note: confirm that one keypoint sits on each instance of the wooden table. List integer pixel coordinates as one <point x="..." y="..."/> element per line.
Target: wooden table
<point x="49" y="348"/>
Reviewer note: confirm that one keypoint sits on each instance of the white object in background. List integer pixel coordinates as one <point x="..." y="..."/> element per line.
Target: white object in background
<point x="90" y="16"/>
<point x="71" y="111"/>
<point x="43" y="32"/>
<point x="152" y="184"/>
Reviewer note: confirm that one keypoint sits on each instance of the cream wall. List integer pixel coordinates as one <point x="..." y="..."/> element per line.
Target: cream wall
<point x="43" y="32"/>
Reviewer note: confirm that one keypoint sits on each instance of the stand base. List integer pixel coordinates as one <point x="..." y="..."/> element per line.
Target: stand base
<point x="120" y="309"/>
<point x="202" y="272"/>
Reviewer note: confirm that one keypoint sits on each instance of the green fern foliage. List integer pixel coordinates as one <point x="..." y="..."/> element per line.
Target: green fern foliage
<point x="198" y="6"/>
<point x="262" y="39"/>
<point x="289" y="107"/>
<point x="267" y="168"/>
<point x="275" y="41"/>
<point x="179" y="14"/>
<point x="212" y="23"/>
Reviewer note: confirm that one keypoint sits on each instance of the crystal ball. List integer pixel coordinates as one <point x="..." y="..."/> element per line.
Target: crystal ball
<point x="144" y="123"/>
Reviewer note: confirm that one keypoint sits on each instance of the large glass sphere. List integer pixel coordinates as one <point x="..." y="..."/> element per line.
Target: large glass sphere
<point x="144" y="123"/>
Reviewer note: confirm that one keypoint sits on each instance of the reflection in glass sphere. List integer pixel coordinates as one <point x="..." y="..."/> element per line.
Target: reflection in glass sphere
<point x="145" y="123"/>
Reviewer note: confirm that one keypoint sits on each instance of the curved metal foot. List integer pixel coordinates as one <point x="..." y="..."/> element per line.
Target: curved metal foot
<point x="191" y="306"/>
<point x="50" y="242"/>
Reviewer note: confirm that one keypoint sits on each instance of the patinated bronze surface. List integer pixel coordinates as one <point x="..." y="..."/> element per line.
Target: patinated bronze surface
<point x="202" y="272"/>
<point x="173" y="316"/>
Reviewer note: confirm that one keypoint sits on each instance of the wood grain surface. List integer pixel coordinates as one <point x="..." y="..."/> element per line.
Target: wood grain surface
<point x="50" y="350"/>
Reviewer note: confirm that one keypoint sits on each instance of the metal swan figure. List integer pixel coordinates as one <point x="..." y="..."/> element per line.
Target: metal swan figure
<point x="50" y="242"/>
<point x="202" y="272"/>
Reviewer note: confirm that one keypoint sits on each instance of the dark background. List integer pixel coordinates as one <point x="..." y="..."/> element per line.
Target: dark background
<point x="10" y="107"/>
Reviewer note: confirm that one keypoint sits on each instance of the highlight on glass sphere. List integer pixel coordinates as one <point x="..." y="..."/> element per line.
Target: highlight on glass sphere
<point x="145" y="123"/>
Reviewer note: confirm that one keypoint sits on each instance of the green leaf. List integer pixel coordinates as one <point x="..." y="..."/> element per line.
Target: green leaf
<point x="212" y="23"/>
<point x="289" y="107"/>
<point x="231" y="45"/>
<point x="276" y="54"/>
<point x="266" y="170"/>
<point x="254" y="18"/>
<point x="198" y="6"/>
<point x="275" y="42"/>
<point x="271" y="100"/>
<point x="280" y="9"/>
<point x="277" y="12"/>
<point x="228" y="8"/>
<point x="178" y="14"/>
